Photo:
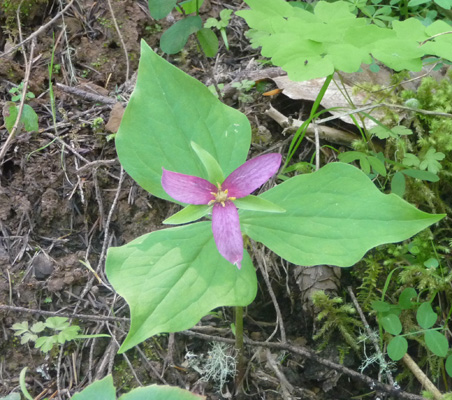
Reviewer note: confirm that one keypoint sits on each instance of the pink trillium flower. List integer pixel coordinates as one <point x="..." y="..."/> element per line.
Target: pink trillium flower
<point x="225" y="218"/>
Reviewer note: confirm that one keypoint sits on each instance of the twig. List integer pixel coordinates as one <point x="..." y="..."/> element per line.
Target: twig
<point x="21" y="105"/>
<point x="370" y="335"/>
<point x="120" y="38"/>
<point x="39" y="31"/>
<point x="107" y="223"/>
<point x="286" y="387"/>
<point x="97" y="98"/>
<point x="325" y="132"/>
<point x="305" y="352"/>
<point x="421" y="377"/>
<point x="317" y="146"/>
<point x="63" y="314"/>
<point x="263" y="268"/>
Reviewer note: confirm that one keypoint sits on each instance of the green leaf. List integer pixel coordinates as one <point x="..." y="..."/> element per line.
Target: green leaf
<point x="380" y="306"/>
<point x="290" y="37"/>
<point x="377" y="165"/>
<point x="398" y="184"/>
<point x="68" y="334"/>
<point x="162" y="119"/>
<point x="182" y="276"/>
<point x="397" y="348"/>
<point x="99" y="390"/>
<point x="23" y="385"/>
<point x="446" y="4"/>
<point x="422" y="175"/>
<point x="436" y="343"/>
<point x="174" y="38"/>
<point x="38" y="327"/>
<point x="57" y="323"/>
<point x="160" y="8"/>
<point x="20" y="328"/>
<point x="382" y="132"/>
<point x="411" y="160"/>
<point x="449" y="365"/>
<point x="28" y="119"/>
<point x="11" y="396"/>
<point x="208" y="41"/>
<point x="188" y="214"/>
<point x="255" y="203"/>
<point x="425" y="316"/>
<point x="45" y="343"/>
<point x="28" y="337"/>
<point x="214" y="172"/>
<point x="414" y="3"/>
<point x="431" y="263"/>
<point x="391" y="323"/>
<point x="189" y="6"/>
<point x="333" y="216"/>
<point x="430" y="161"/>
<point x="351" y="156"/>
<point x="160" y="392"/>
<point x="405" y="298"/>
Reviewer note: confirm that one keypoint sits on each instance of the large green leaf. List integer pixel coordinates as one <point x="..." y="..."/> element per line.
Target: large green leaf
<point x="169" y="109"/>
<point x="173" y="277"/>
<point x="99" y="390"/>
<point x="313" y="44"/>
<point x="333" y="216"/>
<point x="160" y="392"/>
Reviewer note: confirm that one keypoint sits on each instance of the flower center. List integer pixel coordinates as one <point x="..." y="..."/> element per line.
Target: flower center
<point x="220" y="196"/>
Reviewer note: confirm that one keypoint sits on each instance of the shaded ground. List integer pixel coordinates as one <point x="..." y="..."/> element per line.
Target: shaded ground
<point x="64" y="201"/>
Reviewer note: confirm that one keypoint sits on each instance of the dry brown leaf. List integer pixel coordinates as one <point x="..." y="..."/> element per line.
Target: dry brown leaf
<point x="115" y="118"/>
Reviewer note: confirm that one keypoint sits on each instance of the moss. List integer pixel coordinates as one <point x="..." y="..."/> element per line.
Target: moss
<point x="29" y="10"/>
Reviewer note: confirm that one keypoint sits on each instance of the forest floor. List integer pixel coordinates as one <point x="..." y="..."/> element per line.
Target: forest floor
<point x="63" y="204"/>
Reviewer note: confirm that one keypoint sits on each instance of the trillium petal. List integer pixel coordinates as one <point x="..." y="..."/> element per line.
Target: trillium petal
<point x="249" y="176"/>
<point x="187" y="188"/>
<point x="226" y="232"/>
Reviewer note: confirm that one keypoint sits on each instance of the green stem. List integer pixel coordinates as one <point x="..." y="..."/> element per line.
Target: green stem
<point x="239" y="346"/>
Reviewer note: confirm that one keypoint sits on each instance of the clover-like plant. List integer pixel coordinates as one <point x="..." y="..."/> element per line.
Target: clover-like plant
<point x="62" y="328"/>
<point x="179" y="142"/>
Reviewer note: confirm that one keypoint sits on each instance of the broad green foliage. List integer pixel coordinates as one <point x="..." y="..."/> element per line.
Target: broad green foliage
<point x="313" y="45"/>
<point x="167" y="111"/>
<point x="173" y="277"/>
<point x="105" y="390"/>
<point x="333" y="216"/>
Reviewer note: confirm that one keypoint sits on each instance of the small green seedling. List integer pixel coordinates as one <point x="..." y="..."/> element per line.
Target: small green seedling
<point x="221" y="24"/>
<point x="243" y="87"/>
<point x="64" y="332"/>
<point x="28" y="118"/>
<point x="17" y="93"/>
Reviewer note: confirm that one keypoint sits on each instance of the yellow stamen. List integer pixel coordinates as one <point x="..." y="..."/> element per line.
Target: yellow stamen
<point x="221" y="196"/>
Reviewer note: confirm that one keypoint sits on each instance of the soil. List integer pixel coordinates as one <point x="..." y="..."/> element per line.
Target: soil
<point x="63" y="203"/>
